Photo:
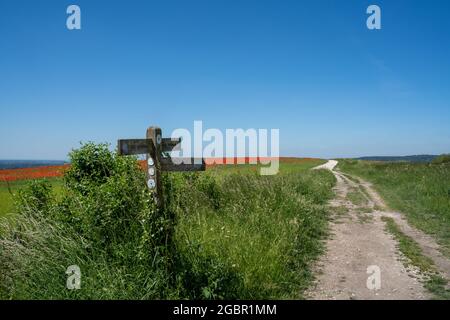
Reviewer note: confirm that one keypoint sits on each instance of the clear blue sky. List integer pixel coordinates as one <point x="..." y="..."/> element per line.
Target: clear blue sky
<point x="310" y="68"/>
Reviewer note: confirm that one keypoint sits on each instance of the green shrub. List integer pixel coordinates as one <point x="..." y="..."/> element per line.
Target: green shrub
<point x="92" y="164"/>
<point x="107" y="207"/>
<point x="445" y="158"/>
<point x="108" y="202"/>
<point x="36" y="197"/>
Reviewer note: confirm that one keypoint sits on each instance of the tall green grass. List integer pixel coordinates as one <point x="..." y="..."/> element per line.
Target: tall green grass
<point x="8" y="189"/>
<point x="420" y="191"/>
<point x="266" y="231"/>
<point x="221" y="236"/>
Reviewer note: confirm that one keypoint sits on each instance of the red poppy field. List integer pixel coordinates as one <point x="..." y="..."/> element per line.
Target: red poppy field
<point x="7" y="175"/>
<point x="32" y="173"/>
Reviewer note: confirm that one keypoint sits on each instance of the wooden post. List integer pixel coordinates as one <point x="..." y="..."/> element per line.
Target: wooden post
<point x="153" y="147"/>
<point x="154" y="181"/>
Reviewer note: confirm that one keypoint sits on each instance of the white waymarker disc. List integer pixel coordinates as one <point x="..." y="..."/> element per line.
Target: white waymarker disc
<point x="151" y="183"/>
<point x="150" y="161"/>
<point x="151" y="171"/>
<point x="158" y="139"/>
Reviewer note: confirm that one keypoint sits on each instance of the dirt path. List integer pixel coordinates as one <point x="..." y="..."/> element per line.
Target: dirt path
<point x="329" y="165"/>
<point x="359" y="241"/>
<point x="428" y="245"/>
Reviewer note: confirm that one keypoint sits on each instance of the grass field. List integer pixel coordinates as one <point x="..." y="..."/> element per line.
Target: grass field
<point x="287" y="165"/>
<point x="8" y="189"/>
<point x="236" y="235"/>
<point x="420" y="191"/>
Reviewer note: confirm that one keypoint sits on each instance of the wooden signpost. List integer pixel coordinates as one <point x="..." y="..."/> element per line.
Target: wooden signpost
<point x="156" y="149"/>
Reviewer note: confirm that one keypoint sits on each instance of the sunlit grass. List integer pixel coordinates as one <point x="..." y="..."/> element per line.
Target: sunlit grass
<point x="238" y="235"/>
<point x="9" y="189"/>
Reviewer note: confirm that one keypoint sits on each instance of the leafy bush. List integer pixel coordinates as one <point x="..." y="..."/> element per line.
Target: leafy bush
<point x="110" y="204"/>
<point x="37" y="197"/>
<point x="445" y="158"/>
<point x="106" y="206"/>
<point x="91" y="166"/>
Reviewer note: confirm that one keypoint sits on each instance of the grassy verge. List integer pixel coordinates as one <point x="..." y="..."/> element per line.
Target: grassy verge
<point x="267" y="230"/>
<point x="286" y="166"/>
<point x="419" y="191"/>
<point x="227" y="233"/>
<point x="409" y="247"/>
<point x="435" y="283"/>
